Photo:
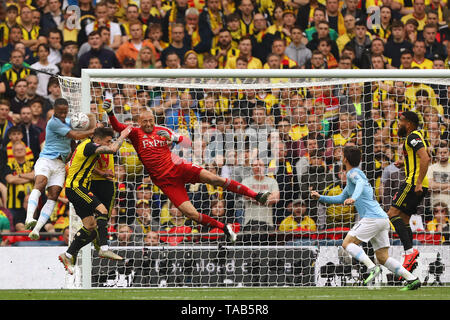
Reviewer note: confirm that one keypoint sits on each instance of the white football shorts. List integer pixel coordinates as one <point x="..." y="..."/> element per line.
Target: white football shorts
<point x="53" y="169"/>
<point x="374" y="230"/>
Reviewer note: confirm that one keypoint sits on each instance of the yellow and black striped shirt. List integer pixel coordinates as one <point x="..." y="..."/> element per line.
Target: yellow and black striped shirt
<point x="82" y="164"/>
<point x="17" y="192"/>
<point x="413" y="143"/>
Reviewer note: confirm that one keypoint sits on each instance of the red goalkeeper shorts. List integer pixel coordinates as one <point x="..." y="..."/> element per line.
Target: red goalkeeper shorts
<point x="173" y="183"/>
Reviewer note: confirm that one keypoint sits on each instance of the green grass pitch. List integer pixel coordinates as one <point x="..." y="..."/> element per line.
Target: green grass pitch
<point x="385" y="293"/>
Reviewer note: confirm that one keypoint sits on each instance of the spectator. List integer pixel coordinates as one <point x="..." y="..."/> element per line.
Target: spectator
<point x="19" y="176"/>
<point x="299" y="220"/>
<point x="406" y="59"/>
<point x="104" y="35"/>
<point x="5" y="226"/>
<point x="324" y="47"/>
<point x="44" y="65"/>
<point x="323" y="31"/>
<point x="245" y="50"/>
<point x="224" y="50"/>
<point x="397" y="43"/>
<point x="176" y="222"/>
<point x="361" y="43"/>
<point x="12" y="12"/>
<point x="179" y="44"/>
<point x="439" y="177"/>
<point x="67" y="66"/>
<point x="279" y="48"/>
<point x="304" y="17"/>
<point x="191" y="60"/>
<point x="390" y="181"/>
<point x="440" y="222"/>
<point x="200" y="39"/>
<point x="434" y="49"/>
<point x="125" y="237"/>
<point x="144" y="222"/>
<point x="283" y="171"/>
<point x="131" y="18"/>
<point x="175" y="15"/>
<point x="5" y="121"/>
<point x="154" y="34"/>
<point x="297" y="50"/>
<point x="349" y="23"/>
<point x="30" y="31"/>
<point x="20" y="98"/>
<point x="12" y="72"/>
<point x="55" y="40"/>
<point x="107" y="58"/>
<point x="418" y="14"/>
<point x="39" y="119"/>
<point x="31" y="133"/>
<point x="15" y="135"/>
<point x="334" y="16"/>
<point x="256" y="217"/>
<point x="101" y="15"/>
<point x="130" y="49"/>
<point x="53" y="18"/>
<point x="299" y="118"/>
<point x="146" y="59"/>
<point x="317" y="61"/>
<point x="152" y="238"/>
<point x="260" y="39"/>
<point x="29" y="56"/>
<point x="383" y="29"/>
<point x="54" y="90"/>
<point x="351" y="8"/>
<point x="315" y="177"/>
<point x="345" y="132"/>
<point x="319" y="16"/>
<point x="377" y="49"/>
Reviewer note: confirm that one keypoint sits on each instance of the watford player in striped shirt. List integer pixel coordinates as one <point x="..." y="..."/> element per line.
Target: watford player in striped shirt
<point x="87" y="206"/>
<point x="413" y="190"/>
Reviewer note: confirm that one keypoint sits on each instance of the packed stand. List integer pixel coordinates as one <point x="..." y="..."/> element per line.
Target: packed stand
<point x="311" y="125"/>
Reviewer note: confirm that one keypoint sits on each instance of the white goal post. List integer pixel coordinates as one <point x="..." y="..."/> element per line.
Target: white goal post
<point x="79" y="94"/>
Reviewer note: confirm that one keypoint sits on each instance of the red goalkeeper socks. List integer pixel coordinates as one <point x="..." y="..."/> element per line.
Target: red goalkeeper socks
<point x="239" y="188"/>
<point x="210" y="222"/>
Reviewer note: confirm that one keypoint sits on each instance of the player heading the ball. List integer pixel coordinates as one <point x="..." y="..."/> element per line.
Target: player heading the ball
<point x="50" y="169"/>
<point x="170" y="172"/>
<point x="374" y="223"/>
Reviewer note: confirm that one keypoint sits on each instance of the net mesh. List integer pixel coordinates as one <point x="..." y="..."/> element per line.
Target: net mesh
<point x="283" y="135"/>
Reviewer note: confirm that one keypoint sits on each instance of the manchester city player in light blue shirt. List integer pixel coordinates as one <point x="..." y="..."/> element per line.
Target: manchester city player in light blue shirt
<point x="373" y="225"/>
<point x="50" y="167"/>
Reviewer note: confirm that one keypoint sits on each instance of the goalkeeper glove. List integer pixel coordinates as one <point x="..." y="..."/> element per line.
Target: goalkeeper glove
<point x="108" y="107"/>
<point x="167" y="136"/>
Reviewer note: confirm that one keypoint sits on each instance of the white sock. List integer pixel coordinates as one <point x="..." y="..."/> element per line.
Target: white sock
<point x="409" y="251"/>
<point x="358" y="253"/>
<point x="33" y="201"/>
<point x="397" y="268"/>
<point x="46" y="212"/>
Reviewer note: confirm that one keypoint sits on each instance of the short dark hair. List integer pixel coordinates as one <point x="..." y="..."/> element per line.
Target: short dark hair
<point x="103" y="132"/>
<point x="60" y="101"/>
<point x="412" y="117"/>
<point x="353" y="155"/>
<point x="13" y="129"/>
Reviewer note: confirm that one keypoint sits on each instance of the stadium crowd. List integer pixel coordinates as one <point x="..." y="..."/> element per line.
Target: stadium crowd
<point x="310" y="126"/>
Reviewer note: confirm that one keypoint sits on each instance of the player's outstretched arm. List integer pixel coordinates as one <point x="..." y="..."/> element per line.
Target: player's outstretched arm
<point x="330" y="199"/>
<point x="115" y="124"/>
<point x="82" y="134"/>
<point x="116" y="145"/>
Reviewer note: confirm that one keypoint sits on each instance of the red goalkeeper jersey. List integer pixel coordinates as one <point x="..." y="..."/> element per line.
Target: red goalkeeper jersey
<point x="153" y="150"/>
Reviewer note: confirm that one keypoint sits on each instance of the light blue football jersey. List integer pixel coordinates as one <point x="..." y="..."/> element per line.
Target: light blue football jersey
<point x="359" y="189"/>
<point x="56" y="142"/>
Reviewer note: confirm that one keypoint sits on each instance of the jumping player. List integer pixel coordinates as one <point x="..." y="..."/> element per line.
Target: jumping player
<point x="87" y="206"/>
<point x="373" y="226"/>
<point x="170" y="172"/>
<point x="415" y="187"/>
<point x="50" y="167"/>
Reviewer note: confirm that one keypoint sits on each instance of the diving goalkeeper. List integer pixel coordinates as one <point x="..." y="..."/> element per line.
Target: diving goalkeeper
<point x="170" y="172"/>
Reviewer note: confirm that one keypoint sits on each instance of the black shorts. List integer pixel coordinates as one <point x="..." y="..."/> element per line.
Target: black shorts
<point x="105" y="191"/>
<point x="406" y="200"/>
<point x="84" y="201"/>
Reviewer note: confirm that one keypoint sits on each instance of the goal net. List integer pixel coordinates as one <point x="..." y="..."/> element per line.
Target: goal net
<point x="272" y="130"/>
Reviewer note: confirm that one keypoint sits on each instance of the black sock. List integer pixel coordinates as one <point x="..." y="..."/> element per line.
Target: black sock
<point x="402" y="231"/>
<point x="410" y="234"/>
<point x="82" y="238"/>
<point x="102" y="229"/>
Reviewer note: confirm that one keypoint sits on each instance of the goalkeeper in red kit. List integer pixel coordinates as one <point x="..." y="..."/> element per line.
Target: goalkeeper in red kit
<point x="170" y="172"/>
